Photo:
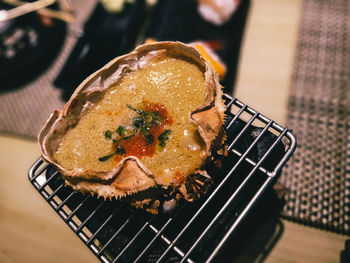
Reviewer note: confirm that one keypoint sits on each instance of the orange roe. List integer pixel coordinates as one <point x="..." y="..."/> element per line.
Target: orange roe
<point x="137" y="145"/>
<point x="157" y="107"/>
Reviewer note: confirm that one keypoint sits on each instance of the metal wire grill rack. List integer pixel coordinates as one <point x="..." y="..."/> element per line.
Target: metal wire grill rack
<point x="195" y="232"/>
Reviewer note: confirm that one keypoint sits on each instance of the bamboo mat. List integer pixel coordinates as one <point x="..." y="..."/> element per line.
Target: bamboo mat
<point x="318" y="175"/>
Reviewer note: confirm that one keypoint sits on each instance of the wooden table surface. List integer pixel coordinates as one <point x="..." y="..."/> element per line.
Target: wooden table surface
<point x="30" y="231"/>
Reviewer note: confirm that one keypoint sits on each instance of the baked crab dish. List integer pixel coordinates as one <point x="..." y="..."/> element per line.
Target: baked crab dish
<point x="142" y="128"/>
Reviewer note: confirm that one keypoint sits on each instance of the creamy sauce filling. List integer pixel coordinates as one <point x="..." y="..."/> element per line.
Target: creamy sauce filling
<point x="173" y="83"/>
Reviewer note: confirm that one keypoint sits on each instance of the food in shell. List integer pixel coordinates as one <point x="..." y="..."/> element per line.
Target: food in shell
<point x="142" y="128"/>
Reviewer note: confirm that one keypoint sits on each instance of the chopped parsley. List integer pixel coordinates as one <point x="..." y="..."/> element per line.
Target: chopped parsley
<point x="108" y="134"/>
<point x="136" y="110"/>
<point x="138" y="122"/>
<point x="125" y="133"/>
<point x="142" y="123"/>
<point x="163" y="138"/>
<point x="149" y="139"/>
<point x="120" y="151"/>
<point x="107" y="157"/>
<point x="120" y="130"/>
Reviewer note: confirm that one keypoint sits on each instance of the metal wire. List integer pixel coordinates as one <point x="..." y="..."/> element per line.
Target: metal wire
<point x="161" y="232"/>
<point x="33" y="173"/>
<point x="90" y="216"/>
<point x="152" y="241"/>
<point x="81" y="204"/>
<point x="132" y="240"/>
<point x="115" y="234"/>
<point x="102" y="225"/>
<point x="211" y="196"/>
<point x="47" y="181"/>
<point x="235" y="193"/>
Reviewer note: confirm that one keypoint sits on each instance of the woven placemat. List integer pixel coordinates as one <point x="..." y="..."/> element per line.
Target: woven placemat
<point x="318" y="175"/>
<point x="24" y="110"/>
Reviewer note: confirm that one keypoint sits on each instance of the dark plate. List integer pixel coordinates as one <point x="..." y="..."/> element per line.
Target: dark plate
<point x="180" y="21"/>
<point x="28" y="45"/>
<point x="105" y="36"/>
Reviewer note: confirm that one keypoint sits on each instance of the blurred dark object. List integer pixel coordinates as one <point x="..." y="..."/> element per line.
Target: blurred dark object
<point x="105" y="36"/>
<point x="179" y="20"/>
<point x="345" y="254"/>
<point x="28" y="45"/>
<point x="258" y="234"/>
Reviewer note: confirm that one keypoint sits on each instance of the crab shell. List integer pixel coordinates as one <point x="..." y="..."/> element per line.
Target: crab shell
<point x="130" y="176"/>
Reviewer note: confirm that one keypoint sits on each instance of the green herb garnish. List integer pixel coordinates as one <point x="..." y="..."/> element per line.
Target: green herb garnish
<point x="149" y="139"/>
<point x="138" y="122"/>
<point x="144" y="130"/>
<point x="146" y="118"/>
<point x="125" y="133"/>
<point x="156" y="119"/>
<point x="120" y="130"/>
<point x="136" y="110"/>
<point x="141" y="123"/>
<point x="120" y="151"/>
<point x="144" y="122"/>
<point x="108" y="134"/>
<point x="163" y="138"/>
<point x="107" y="157"/>
<point x="128" y="137"/>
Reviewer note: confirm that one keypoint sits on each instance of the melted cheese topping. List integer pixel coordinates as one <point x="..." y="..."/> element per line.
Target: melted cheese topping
<point x="176" y="84"/>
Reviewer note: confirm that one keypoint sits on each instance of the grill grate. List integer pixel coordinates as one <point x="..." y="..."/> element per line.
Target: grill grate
<point x="115" y="232"/>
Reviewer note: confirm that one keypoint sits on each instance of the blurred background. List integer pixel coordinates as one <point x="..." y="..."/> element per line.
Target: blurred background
<point x="286" y="59"/>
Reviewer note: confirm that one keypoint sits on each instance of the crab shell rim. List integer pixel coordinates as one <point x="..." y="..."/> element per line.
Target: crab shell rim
<point x="130" y="176"/>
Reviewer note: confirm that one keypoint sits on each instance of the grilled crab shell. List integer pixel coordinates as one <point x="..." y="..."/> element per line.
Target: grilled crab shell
<point x="130" y="176"/>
